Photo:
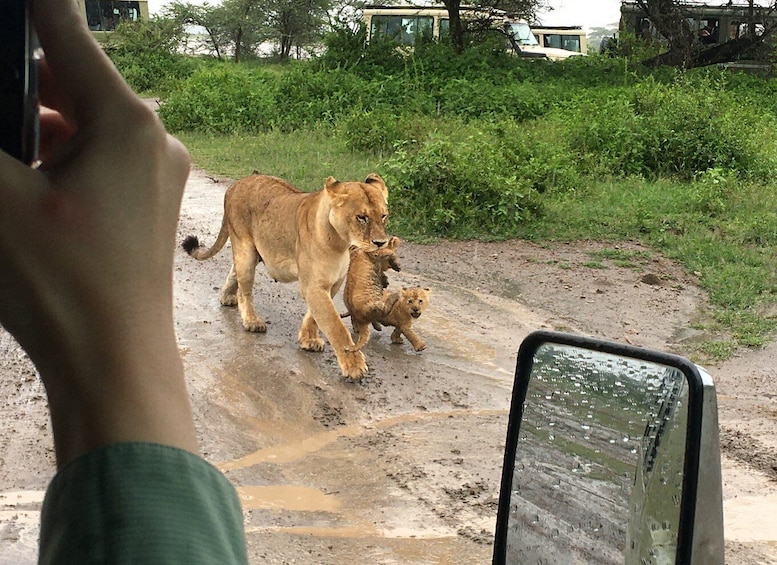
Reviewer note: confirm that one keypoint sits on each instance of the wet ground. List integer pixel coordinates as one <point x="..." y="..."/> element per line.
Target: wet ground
<point x="404" y="467"/>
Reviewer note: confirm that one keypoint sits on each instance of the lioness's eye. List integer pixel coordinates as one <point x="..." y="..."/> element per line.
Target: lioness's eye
<point x="363" y="219"/>
<point x="384" y="218"/>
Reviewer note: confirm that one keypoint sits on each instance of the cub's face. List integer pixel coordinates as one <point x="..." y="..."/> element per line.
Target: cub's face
<point x="414" y="300"/>
<point x="359" y="211"/>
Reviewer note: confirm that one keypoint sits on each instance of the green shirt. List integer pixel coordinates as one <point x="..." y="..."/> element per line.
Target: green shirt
<point x="141" y="503"/>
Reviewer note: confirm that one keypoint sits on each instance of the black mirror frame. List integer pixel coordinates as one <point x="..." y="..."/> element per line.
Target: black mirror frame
<point x="523" y="369"/>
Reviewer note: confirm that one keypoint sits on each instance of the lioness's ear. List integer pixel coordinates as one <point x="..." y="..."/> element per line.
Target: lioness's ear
<point x="428" y="290"/>
<point x="330" y="185"/>
<point x="374" y="179"/>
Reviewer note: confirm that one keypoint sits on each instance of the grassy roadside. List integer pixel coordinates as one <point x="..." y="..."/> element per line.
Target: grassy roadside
<point x="721" y="228"/>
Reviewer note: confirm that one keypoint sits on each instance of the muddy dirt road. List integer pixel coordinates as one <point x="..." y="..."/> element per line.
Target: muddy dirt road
<point x="404" y="467"/>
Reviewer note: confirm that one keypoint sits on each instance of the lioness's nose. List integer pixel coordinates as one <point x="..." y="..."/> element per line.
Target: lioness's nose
<point x="379" y="242"/>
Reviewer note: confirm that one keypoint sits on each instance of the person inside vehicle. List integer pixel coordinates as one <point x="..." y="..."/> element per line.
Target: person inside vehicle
<point x="86" y="289"/>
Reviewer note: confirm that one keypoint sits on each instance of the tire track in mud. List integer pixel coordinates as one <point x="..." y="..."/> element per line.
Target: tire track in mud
<point x="749" y="450"/>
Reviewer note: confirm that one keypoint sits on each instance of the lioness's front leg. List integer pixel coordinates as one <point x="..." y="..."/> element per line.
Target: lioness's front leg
<point x="322" y="313"/>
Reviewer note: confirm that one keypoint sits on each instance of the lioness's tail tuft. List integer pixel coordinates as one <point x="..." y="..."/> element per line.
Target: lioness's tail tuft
<point x="190" y="244"/>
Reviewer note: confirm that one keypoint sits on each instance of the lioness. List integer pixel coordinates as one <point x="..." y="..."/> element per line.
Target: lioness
<point x="299" y="236"/>
<point x="364" y="287"/>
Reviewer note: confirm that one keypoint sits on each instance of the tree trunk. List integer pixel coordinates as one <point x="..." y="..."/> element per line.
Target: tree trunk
<point x="456" y="28"/>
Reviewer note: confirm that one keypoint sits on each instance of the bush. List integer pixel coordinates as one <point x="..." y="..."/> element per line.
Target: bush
<point x="677" y="130"/>
<point x="457" y="190"/>
<point x="146" y="54"/>
<point x="222" y="99"/>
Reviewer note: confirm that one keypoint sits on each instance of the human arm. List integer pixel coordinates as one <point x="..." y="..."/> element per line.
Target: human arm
<point x="86" y="243"/>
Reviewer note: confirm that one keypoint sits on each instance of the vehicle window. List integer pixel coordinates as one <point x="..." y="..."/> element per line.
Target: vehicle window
<point x="558" y="41"/>
<point x="403" y="29"/>
<point x="105" y="15"/>
<point x="522" y="33"/>
<point x="445" y="27"/>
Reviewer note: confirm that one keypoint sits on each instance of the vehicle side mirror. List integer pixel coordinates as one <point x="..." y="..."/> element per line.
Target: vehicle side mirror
<point x="612" y="456"/>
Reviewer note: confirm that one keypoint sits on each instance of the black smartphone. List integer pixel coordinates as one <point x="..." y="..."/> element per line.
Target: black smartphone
<point x="19" y="103"/>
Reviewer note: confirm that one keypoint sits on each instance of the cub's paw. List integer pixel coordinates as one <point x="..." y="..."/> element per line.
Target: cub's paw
<point x="228" y="300"/>
<point x="420" y="346"/>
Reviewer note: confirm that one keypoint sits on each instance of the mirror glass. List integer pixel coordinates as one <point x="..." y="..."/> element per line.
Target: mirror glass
<point x="590" y="484"/>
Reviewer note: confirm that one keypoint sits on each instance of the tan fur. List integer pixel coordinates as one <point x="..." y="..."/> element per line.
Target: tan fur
<point x="364" y="287"/>
<point x="399" y="310"/>
<point x="300" y="236"/>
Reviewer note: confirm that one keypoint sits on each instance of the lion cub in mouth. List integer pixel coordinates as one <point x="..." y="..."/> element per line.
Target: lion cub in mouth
<point x="369" y="302"/>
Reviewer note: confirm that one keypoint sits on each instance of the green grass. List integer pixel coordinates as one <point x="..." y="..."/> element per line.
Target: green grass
<point x="304" y="158"/>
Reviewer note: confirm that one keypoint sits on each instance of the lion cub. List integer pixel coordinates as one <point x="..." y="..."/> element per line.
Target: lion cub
<point x="369" y="303"/>
<point x="403" y="307"/>
<point x="364" y="294"/>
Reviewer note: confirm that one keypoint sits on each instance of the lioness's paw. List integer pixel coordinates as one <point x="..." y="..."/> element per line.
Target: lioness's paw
<point x="353" y="365"/>
<point x="257" y="326"/>
<point x="312" y="344"/>
<point x="420" y="346"/>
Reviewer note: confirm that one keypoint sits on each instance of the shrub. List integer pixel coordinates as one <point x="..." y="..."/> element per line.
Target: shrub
<point x="457" y="190"/>
<point x="222" y="99"/>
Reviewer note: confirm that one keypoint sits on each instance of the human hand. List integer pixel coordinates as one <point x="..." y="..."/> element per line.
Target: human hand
<point x="86" y="244"/>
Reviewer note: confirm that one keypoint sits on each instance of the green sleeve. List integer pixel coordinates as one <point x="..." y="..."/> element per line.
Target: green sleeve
<point x="141" y="503"/>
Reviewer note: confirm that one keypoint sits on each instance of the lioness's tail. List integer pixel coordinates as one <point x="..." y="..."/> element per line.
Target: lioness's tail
<point x="192" y="245"/>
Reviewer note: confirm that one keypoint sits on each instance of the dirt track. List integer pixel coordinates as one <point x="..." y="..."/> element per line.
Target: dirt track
<point x="404" y="467"/>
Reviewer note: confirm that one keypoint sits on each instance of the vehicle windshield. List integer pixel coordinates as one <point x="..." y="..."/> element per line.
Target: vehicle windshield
<point x="522" y="33"/>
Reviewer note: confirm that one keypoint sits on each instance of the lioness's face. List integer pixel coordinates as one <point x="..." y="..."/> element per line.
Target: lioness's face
<point x="415" y="300"/>
<point x="359" y="212"/>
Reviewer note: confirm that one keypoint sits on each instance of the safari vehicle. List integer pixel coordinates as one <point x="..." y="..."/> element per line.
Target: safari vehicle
<point x="102" y="16"/>
<point x="527" y="42"/>
<point x="612" y="456"/>
<point x="569" y="38"/>
<point x="713" y="24"/>
<point x="406" y="24"/>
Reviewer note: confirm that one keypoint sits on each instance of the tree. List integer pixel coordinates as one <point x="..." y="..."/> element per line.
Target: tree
<point x="492" y="11"/>
<point x="234" y="26"/>
<point x="295" y="23"/>
<point x="240" y="27"/>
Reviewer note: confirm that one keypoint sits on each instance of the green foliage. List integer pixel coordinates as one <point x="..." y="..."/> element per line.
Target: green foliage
<point x="145" y="53"/>
<point x="447" y="188"/>
<point x="344" y="47"/>
<point x="222" y="99"/>
<point x="677" y="129"/>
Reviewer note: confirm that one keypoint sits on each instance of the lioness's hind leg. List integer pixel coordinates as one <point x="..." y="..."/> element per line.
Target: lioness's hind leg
<point x="229" y="290"/>
<point x="309" y="338"/>
<point x="245" y="259"/>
